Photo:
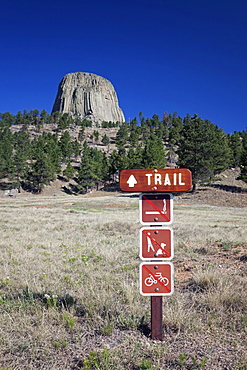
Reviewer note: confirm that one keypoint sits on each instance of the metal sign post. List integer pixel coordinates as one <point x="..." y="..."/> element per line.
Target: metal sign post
<point x="156" y="318"/>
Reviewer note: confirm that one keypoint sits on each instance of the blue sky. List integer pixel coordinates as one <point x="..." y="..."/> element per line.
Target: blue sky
<point x="188" y="56"/>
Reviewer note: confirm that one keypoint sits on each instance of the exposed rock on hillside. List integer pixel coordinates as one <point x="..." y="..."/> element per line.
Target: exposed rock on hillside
<point x="91" y="96"/>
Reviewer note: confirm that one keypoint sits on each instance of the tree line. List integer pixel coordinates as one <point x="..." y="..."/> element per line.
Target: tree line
<point x="188" y="142"/>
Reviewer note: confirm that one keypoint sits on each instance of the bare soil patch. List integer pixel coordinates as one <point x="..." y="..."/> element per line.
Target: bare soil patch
<point x="227" y="192"/>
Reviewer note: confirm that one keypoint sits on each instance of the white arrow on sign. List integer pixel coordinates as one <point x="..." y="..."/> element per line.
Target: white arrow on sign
<point x="131" y="181"/>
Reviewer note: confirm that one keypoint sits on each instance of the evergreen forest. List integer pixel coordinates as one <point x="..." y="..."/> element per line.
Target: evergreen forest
<point x="36" y="148"/>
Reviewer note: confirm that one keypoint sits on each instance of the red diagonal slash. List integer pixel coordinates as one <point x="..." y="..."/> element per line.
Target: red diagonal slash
<point x="157" y="244"/>
<point x="164" y="286"/>
<point x="156" y="208"/>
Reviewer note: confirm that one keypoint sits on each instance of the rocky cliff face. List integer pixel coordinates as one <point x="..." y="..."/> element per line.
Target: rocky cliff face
<point x="91" y="96"/>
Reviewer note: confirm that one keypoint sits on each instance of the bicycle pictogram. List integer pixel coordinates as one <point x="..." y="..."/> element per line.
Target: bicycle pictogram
<point x="150" y="280"/>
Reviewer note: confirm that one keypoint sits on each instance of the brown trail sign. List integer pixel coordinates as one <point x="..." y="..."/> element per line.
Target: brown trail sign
<point x="155" y="180"/>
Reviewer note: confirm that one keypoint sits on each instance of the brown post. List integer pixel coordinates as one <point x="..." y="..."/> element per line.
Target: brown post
<point x="156" y="318"/>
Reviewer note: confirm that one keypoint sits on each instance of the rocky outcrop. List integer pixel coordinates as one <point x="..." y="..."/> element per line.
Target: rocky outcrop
<point x="91" y="96"/>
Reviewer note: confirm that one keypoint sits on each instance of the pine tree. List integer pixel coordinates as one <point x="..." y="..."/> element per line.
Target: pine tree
<point x="19" y="119"/>
<point x="176" y="126"/>
<point x="66" y="146"/>
<point x="122" y="137"/>
<point x="81" y="135"/>
<point x="105" y="140"/>
<point x="133" y="138"/>
<point x="76" y="148"/>
<point x="54" y="151"/>
<point x="160" y="131"/>
<point x="146" y="129"/>
<point x="6" y="152"/>
<point x="34" y="116"/>
<point x="48" y="143"/>
<point x="41" y="172"/>
<point x="135" y="157"/>
<point x="243" y="166"/>
<point x="86" y="174"/>
<point x="6" y="120"/>
<point x="203" y="149"/>
<point x="243" y="159"/>
<point x="44" y="116"/>
<point x="113" y="165"/>
<point x="118" y="161"/>
<point x="96" y="135"/>
<point x="153" y="154"/>
<point x="64" y="121"/>
<point x="69" y="171"/>
<point x="236" y="148"/>
<point x="165" y="126"/>
<point x="100" y="166"/>
<point x="22" y="152"/>
<point x="155" y="121"/>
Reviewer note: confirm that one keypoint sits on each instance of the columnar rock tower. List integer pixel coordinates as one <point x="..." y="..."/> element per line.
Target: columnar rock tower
<point x="91" y="96"/>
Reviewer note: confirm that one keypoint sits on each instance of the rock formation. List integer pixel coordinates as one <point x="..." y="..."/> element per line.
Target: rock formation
<point x="91" y="96"/>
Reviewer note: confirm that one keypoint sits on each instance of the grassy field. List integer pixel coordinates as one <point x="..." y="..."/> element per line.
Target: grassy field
<point x="69" y="286"/>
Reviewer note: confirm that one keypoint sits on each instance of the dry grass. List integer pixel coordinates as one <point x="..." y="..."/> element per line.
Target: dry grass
<point x="69" y="296"/>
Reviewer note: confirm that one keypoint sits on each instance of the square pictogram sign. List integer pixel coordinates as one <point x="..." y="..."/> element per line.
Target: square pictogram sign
<point x="156" y="209"/>
<point x="156" y="243"/>
<point x="156" y="279"/>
